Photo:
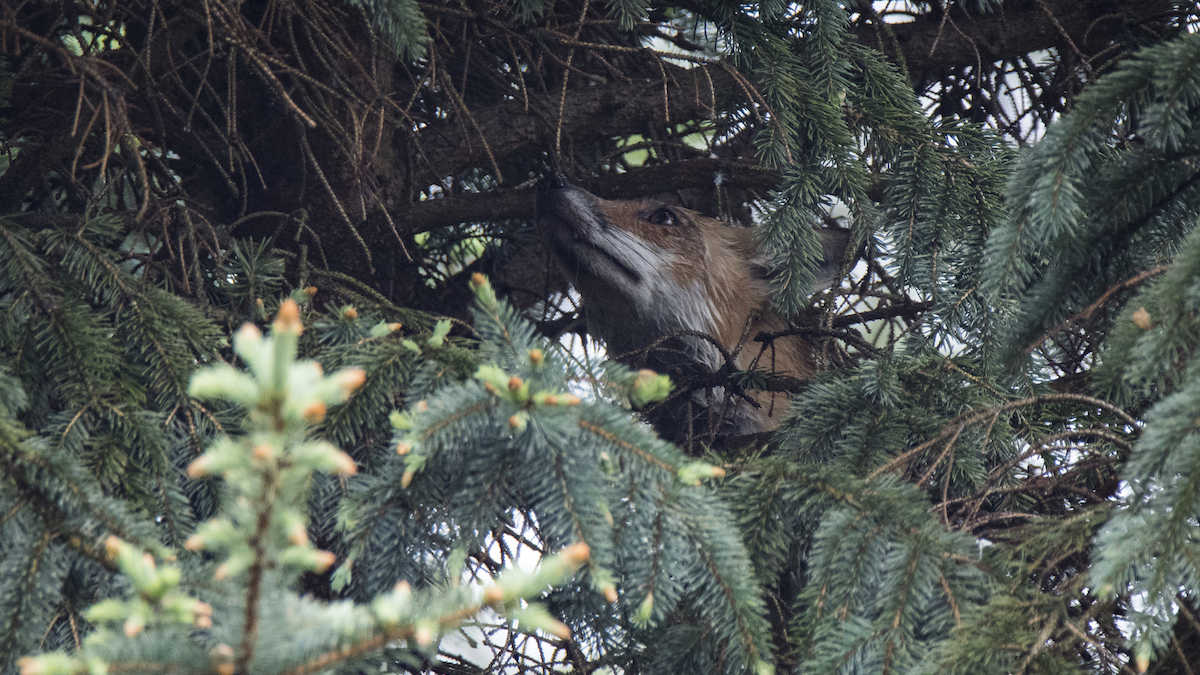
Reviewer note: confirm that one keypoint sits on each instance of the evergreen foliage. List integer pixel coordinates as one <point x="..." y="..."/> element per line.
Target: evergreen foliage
<point x="261" y="538"/>
<point x="996" y="470"/>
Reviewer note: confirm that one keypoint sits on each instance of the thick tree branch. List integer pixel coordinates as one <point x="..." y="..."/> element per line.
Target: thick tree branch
<point x="1019" y="27"/>
<point x="616" y="108"/>
<point x="518" y="203"/>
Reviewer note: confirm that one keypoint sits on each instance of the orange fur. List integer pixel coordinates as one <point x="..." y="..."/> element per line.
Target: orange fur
<point x="648" y="271"/>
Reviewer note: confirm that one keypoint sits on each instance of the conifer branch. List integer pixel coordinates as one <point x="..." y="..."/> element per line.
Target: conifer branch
<point x="1087" y="312"/>
<point x="952" y="430"/>
<point x="629" y="447"/>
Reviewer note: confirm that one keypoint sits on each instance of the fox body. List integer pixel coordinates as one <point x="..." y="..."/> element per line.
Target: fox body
<point x="649" y="271"/>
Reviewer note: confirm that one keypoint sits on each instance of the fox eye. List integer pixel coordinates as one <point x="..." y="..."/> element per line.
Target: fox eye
<point x="662" y="216"/>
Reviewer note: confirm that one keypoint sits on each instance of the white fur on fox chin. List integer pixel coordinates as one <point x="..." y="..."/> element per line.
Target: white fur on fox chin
<point x="674" y="307"/>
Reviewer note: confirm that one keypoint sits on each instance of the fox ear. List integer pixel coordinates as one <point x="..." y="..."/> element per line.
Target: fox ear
<point x="834" y="241"/>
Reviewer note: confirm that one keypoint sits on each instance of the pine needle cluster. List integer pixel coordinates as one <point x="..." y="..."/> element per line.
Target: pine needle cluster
<point x="996" y="470"/>
<point x="250" y="619"/>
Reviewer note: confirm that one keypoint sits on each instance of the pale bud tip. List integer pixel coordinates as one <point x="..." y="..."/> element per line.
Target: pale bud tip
<point x="1141" y="319"/>
<point x="345" y="465"/>
<point x="199" y="467"/>
<point x="289" y="311"/>
<point x="249" y="331"/>
<point x="112" y="546"/>
<point x="314" y="412"/>
<point x="352" y="378"/>
<point x="298" y="535"/>
<point x="325" y="560"/>
<point x="576" y="553"/>
<point x="222" y="652"/>
<point x="288" y="318"/>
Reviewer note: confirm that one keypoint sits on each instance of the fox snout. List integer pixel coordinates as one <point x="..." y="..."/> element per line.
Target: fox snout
<point x="642" y="267"/>
<point x="578" y="228"/>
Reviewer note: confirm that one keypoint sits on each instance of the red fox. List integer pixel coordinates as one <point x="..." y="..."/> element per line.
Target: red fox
<point x="649" y="271"/>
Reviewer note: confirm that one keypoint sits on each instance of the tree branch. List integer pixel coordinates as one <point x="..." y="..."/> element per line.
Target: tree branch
<point x="1016" y="29"/>
<point x="518" y="202"/>
<point x="616" y="108"/>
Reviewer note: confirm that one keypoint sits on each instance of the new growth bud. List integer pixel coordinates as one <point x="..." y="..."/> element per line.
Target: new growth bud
<point x="344" y="465"/>
<point x="423" y="635"/>
<point x="249" y="332"/>
<point x="297" y="534"/>
<point x="484" y="292"/>
<point x="351" y="379"/>
<point x="112" y="546"/>
<point x="577" y="553"/>
<point x="288" y="318"/>
<point x="1141" y="319"/>
<point x="650" y="387"/>
<point x="314" y="412"/>
<point x="222" y="659"/>
<point x="324" y="560"/>
<point x="199" y="466"/>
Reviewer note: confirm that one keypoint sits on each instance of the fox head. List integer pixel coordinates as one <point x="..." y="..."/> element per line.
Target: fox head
<point x="648" y="270"/>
